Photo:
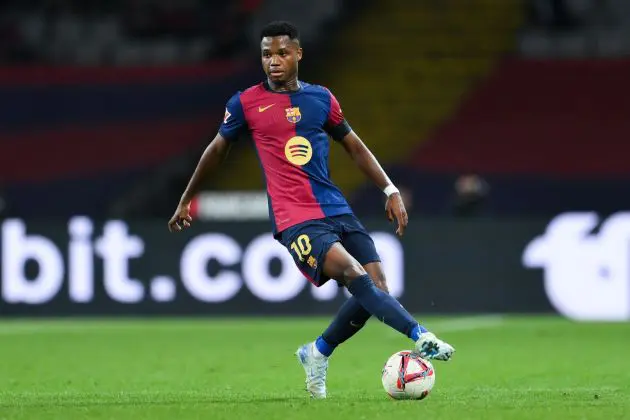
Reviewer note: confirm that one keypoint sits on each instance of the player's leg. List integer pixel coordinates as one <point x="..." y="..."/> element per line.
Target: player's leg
<point x="341" y="266"/>
<point x="376" y="273"/>
<point x="351" y="317"/>
<point x="308" y="243"/>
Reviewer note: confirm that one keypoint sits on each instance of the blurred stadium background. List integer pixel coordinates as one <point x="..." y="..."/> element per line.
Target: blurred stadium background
<point x="504" y="123"/>
<point x="493" y="117"/>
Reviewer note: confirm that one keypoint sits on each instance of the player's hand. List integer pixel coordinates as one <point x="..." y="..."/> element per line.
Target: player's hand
<point x="181" y="219"/>
<point x="395" y="210"/>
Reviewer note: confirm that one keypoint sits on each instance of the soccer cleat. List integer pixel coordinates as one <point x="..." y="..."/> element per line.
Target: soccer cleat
<point x="315" y="368"/>
<point x="430" y="347"/>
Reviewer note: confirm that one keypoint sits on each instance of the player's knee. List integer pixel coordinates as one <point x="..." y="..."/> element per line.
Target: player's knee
<point x="375" y="270"/>
<point x="352" y="271"/>
<point x="381" y="282"/>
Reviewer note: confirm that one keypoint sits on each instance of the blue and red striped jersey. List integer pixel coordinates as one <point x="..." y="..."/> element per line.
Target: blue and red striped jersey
<point x="291" y="133"/>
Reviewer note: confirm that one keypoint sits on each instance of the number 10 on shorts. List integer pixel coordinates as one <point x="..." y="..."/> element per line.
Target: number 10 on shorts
<point x="302" y="246"/>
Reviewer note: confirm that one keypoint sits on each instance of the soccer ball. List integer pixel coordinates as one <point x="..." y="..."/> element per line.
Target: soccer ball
<point x="406" y="376"/>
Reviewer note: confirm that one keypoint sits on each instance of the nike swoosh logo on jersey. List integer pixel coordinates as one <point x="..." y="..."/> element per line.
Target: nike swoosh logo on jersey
<point x="264" y="108"/>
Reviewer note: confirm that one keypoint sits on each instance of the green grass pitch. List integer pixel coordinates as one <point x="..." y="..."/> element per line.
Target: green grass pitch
<point x="504" y="368"/>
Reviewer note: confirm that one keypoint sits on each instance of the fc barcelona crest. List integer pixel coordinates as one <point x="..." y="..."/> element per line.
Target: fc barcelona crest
<point x="293" y="114"/>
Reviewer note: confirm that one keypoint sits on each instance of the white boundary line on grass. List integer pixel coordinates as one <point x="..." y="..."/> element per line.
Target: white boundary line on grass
<point x="468" y="323"/>
<point x="465" y="323"/>
<point x="544" y="389"/>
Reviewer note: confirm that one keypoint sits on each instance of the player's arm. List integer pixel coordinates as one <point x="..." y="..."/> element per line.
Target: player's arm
<point x="215" y="153"/>
<point x="367" y="163"/>
<point x="339" y="129"/>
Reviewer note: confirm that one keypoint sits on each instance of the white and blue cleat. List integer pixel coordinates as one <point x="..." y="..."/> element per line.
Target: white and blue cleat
<point x="315" y="366"/>
<point x="429" y="346"/>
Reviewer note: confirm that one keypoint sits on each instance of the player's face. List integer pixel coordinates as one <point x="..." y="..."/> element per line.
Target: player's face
<point x="280" y="58"/>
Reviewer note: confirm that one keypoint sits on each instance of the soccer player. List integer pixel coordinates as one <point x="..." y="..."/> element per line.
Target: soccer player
<point x="290" y="122"/>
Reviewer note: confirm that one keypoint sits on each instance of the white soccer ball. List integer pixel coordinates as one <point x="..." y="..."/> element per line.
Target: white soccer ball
<point x="406" y="376"/>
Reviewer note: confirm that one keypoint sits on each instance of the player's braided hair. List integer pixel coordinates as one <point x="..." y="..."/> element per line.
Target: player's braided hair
<point x="279" y="28"/>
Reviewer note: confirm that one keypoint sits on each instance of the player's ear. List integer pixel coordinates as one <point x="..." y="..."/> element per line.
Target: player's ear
<point x="299" y="54"/>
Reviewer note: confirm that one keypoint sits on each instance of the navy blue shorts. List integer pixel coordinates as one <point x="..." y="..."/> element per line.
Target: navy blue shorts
<point x="308" y="243"/>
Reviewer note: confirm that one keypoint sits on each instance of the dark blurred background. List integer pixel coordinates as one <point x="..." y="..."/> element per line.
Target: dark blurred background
<point x="477" y="108"/>
<point x="483" y="110"/>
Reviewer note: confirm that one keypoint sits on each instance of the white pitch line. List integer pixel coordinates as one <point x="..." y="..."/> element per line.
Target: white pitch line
<point x="512" y="390"/>
<point x="466" y="323"/>
<point x="72" y="326"/>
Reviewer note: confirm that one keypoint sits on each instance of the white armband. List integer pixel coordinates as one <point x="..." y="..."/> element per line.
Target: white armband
<point x="390" y="189"/>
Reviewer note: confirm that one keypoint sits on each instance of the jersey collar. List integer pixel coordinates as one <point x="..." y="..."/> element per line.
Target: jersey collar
<point x="268" y="88"/>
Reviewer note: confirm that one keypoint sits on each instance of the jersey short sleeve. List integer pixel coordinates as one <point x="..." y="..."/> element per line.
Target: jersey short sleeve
<point x="336" y="125"/>
<point x="234" y="119"/>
